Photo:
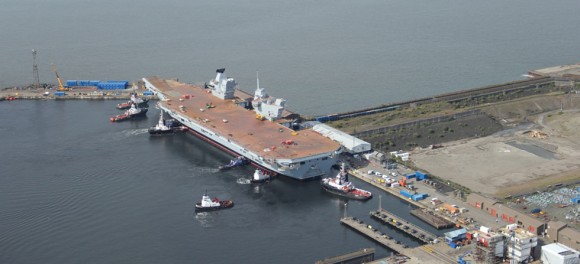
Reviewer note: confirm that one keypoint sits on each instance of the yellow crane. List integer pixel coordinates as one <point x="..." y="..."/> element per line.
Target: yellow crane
<point x="60" y="86"/>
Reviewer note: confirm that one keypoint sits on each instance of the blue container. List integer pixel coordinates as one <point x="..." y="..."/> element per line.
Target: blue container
<point x="406" y="193"/>
<point x="452" y="245"/>
<point x="148" y="93"/>
<point x="71" y="82"/>
<point x="410" y="176"/>
<point x="420" y="175"/>
<point x="59" y="94"/>
<point x="420" y="196"/>
<point x="113" y="85"/>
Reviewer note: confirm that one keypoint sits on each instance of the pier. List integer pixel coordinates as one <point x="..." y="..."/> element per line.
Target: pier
<point x="432" y="219"/>
<point x="421" y="254"/>
<point x="364" y="255"/>
<point x="399" y="223"/>
<point x="374" y="234"/>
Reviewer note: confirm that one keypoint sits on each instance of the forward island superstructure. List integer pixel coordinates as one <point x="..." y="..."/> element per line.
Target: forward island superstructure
<point x="222" y="115"/>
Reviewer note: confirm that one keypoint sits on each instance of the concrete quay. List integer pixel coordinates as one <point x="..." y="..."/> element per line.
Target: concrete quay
<point x="421" y="254"/>
<point x="74" y="94"/>
<point x="403" y="225"/>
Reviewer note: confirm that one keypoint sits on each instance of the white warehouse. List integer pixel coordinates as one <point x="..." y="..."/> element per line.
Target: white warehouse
<point x="557" y="253"/>
<point x="354" y="145"/>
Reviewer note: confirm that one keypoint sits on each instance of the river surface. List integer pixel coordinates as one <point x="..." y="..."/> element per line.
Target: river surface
<point x="76" y="188"/>
<point x="324" y="56"/>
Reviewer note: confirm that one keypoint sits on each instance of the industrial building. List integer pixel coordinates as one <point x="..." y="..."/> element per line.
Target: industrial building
<point x="353" y="144"/>
<point x="560" y="232"/>
<point x="511" y="242"/>
<point x="506" y="214"/>
<point x="557" y="253"/>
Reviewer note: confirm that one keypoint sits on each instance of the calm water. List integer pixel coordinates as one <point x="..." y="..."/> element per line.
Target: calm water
<point x="75" y="188"/>
<point x="78" y="189"/>
<point x="323" y="56"/>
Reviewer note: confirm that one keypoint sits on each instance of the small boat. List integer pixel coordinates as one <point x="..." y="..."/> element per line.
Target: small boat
<point x="161" y="128"/>
<point x="134" y="100"/>
<point x="260" y="176"/>
<point x="340" y="185"/>
<point x="208" y="204"/>
<point x="133" y="112"/>
<point x="237" y="162"/>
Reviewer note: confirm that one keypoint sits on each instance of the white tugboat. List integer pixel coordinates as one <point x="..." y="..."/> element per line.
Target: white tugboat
<point x="260" y="177"/>
<point x="207" y="204"/>
<point x="340" y="185"/>
<point x="160" y="128"/>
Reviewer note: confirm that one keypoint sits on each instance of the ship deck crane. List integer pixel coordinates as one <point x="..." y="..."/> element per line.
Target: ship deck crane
<point x="60" y="86"/>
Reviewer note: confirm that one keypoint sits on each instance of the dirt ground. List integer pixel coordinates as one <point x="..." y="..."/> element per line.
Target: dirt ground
<point x="512" y="162"/>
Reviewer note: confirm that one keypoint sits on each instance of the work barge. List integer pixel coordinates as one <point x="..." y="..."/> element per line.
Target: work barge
<point x="257" y="127"/>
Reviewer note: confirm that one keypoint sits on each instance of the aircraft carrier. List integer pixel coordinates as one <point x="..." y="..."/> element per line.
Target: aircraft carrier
<point x="257" y="127"/>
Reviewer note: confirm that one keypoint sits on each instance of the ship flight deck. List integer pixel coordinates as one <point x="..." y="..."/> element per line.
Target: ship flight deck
<point x="259" y="140"/>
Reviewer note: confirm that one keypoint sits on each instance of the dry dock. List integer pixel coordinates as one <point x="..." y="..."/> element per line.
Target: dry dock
<point x="432" y="219"/>
<point x="399" y="223"/>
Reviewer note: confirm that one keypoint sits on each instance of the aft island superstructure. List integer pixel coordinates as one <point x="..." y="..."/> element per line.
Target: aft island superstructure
<point x="256" y="127"/>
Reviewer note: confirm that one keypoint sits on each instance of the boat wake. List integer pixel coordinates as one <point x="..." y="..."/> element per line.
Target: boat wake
<point x="243" y="181"/>
<point x="204" y="219"/>
<point x="135" y="132"/>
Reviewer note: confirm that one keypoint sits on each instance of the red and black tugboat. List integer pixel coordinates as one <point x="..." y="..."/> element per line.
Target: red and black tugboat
<point x="208" y="204"/>
<point x="133" y="112"/>
<point x="340" y="185"/>
<point x="134" y="100"/>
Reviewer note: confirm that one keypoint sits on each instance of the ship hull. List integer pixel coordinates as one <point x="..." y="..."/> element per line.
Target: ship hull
<point x="302" y="168"/>
<point x="127" y="105"/>
<point x="298" y="175"/>
<point x="157" y="132"/>
<point x="349" y="195"/>
<point x="223" y="205"/>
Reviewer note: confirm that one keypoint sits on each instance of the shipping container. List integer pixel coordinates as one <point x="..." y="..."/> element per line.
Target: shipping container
<point x="59" y="93"/>
<point x="418" y="197"/>
<point x="71" y="83"/>
<point x="452" y="245"/>
<point x="406" y="193"/>
<point x="410" y="176"/>
<point x="420" y="175"/>
<point x="148" y="93"/>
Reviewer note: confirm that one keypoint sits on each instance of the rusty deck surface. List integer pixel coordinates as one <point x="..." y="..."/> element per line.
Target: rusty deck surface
<point x="240" y="125"/>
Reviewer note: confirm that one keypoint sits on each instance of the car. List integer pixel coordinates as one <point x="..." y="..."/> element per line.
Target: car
<point x="378" y="173"/>
<point x="371" y="172"/>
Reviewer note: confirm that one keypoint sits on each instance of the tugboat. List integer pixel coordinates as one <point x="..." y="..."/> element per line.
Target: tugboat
<point x="133" y="112"/>
<point x="260" y="177"/>
<point x="208" y="204"/>
<point x="134" y="100"/>
<point x="239" y="161"/>
<point x="161" y="128"/>
<point x="340" y="185"/>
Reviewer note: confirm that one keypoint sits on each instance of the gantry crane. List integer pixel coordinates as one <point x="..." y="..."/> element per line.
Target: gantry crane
<point x="60" y="86"/>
